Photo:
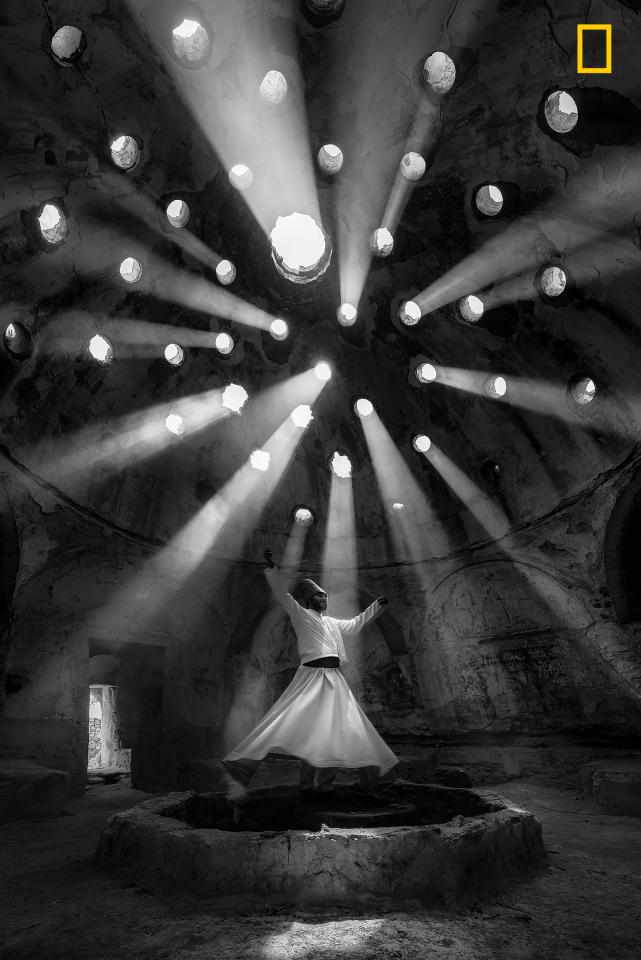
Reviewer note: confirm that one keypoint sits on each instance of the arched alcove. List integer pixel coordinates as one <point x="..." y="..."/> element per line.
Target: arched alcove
<point x="622" y="553"/>
<point x="9" y="559"/>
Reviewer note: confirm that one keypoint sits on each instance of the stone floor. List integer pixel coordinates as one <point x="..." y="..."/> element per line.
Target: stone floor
<point x="585" y="904"/>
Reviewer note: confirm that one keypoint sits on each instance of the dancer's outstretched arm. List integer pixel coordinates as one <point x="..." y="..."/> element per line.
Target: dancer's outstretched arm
<point x="278" y="586"/>
<point x="350" y="628"/>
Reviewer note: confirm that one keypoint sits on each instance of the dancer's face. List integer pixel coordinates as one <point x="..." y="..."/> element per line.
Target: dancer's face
<point x="318" y="602"/>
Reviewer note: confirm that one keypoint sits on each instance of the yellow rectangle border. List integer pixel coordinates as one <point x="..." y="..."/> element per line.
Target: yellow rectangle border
<point x="580" y="28"/>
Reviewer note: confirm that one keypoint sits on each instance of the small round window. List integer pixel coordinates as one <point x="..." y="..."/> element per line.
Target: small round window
<point x="561" y="112"/>
<point x="18" y="341"/>
<point x="583" y="390"/>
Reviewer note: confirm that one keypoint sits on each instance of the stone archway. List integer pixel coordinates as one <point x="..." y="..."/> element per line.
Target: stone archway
<point x="9" y="560"/>
<point x="622" y="553"/>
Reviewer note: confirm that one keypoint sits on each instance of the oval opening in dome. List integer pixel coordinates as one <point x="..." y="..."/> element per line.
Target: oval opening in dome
<point x="561" y="111"/>
<point x="489" y="200"/>
<point x="439" y="72"/>
<point x="125" y="152"/>
<point x="67" y="45"/>
<point x="18" y="342"/>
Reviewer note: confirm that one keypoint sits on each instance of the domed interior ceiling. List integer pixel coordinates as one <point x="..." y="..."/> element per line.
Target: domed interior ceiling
<point x="96" y="431"/>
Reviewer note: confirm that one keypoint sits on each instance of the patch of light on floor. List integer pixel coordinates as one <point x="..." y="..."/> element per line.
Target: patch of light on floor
<point x="338" y="939"/>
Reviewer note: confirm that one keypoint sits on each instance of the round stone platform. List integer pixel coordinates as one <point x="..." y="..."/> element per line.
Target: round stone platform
<point x="435" y="844"/>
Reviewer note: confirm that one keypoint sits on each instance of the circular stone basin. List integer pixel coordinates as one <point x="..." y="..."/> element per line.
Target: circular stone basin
<point x="436" y="844"/>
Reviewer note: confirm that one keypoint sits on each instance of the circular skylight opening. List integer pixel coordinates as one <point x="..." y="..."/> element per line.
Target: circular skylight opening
<point x="410" y="313"/>
<point x="300" y="248"/>
<point x="304" y="516"/>
<point x="421" y="443"/>
<point x="225" y="272"/>
<point x="224" y="343"/>
<point x="177" y="213"/>
<point x="234" y="397"/>
<point x="553" y="281"/>
<point x="325" y="9"/>
<point x="471" y="309"/>
<point x="130" y="270"/>
<point x="381" y="242"/>
<point x="101" y="349"/>
<point x="346" y="314"/>
<point x="67" y="45"/>
<point x="439" y="72"/>
<point x="273" y="88"/>
<point x="125" y="152"/>
<point x="412" y="166"/>
<point x="323" y="371"/>
<point x="53" y="224"/>
<point x="259" y="459"/>
<point x="330" y="158"/>
<point x="302" y="416"/>
<point x="496" y="387"/>
<point x="561" y="112"/>
<point x="425" y="372"/>
<point x="489" y="200"/>
<point x="583" y="390"/>
<point x="175" y="424"/>
<point x="18" y="341"/>
<point x="174" y="354"/>
<point x="240" y="176"/>
<point x="279" y="329"/>
<point x="364" y="407"/>
<point x="190" y="42"/>
<point x="341" y="465"/>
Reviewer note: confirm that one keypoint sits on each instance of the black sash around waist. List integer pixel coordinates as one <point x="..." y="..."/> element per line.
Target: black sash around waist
<point x="324" y="662"/>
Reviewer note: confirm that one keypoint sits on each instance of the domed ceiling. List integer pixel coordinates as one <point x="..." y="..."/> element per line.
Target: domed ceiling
<point x="503" y="197"/>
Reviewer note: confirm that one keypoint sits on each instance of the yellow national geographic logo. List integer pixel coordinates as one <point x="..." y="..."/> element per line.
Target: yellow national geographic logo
<point x="580" y="30"/>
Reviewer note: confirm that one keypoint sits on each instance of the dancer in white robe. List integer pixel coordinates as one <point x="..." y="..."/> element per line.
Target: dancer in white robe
<point x="317" y="718"/>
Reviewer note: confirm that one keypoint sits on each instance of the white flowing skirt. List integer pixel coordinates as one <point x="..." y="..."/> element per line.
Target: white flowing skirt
<point x="317" y="719"/>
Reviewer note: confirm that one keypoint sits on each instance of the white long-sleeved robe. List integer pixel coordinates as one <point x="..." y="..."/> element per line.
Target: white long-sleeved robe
<point x="317" y="718"/>
<point x="317" y="634"/>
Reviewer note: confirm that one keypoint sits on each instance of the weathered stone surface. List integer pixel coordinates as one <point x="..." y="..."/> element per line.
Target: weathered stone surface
<point x="28" y="790"/>
<point x="614" y="786"/>
<point x="450" y="863"/>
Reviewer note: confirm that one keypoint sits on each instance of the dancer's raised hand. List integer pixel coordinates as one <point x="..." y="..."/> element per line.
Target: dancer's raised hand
<point x="382" y="601"/>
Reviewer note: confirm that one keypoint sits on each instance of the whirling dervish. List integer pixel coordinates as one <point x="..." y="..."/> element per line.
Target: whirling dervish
<point x="317" y="718"/>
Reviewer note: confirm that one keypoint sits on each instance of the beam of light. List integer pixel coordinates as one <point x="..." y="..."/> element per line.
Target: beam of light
<point x="489" y="516"/>
<point x="416" y="530"/>
<point x="132" y="339"/>
<point x="617" y="417"/>
<point x="212" y="539"/>
<point x="340" y="557"/>
<point x="358" y="209"/>
<point x="582" y="220"/>
<point x="425" y="131"/>
<point x="141" y="205"/>
<point x="121" y="442"/>
<point x="237" y="125"/>
<point x="248" y="688"/>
